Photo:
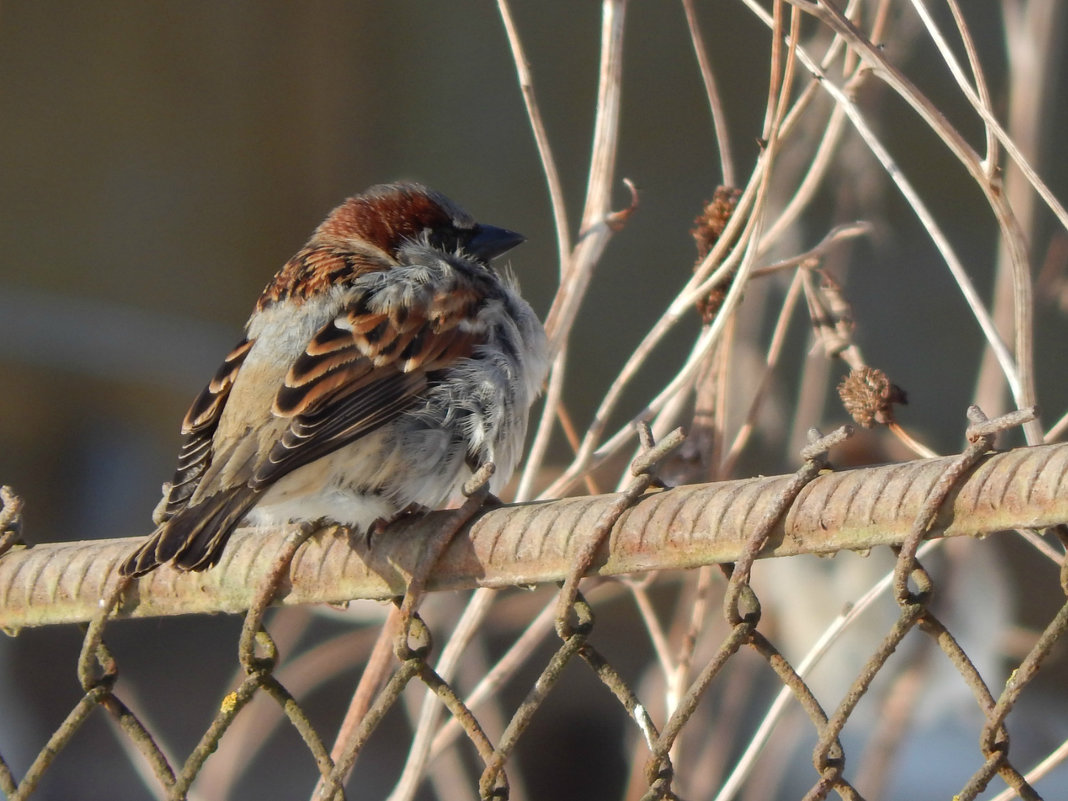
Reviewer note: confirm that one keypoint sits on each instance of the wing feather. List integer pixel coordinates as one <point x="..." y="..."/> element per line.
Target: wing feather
<point x="194" y="455"/>
<point x="359" y="372"/>
<point x="205" y="411"/>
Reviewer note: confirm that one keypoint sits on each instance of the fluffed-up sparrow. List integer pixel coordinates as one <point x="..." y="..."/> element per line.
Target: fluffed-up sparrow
<point x="381" y="366"/>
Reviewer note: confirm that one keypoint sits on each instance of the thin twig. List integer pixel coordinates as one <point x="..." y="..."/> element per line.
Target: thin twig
<point x="938" y="237"/>
<point x="541" y="137"/>
<point x="715" y="103"/>
<point x="589" y="454"/>
<point x="1012" y="236"/>
<point x="992" y="157"/>
<point x="546" y="421"/>
<point x="771" y="362"/>
<point x="594" y="232"/>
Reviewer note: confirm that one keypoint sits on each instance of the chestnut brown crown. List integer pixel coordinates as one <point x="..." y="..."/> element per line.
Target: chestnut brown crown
<point x="369" y="231"/>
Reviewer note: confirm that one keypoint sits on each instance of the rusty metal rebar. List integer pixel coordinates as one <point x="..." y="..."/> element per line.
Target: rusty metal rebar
<point x="534" y="543"/>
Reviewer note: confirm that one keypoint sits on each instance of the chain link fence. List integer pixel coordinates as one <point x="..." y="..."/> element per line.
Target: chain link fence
<point x="679" y="638"/>
<point x="802" y="513"/>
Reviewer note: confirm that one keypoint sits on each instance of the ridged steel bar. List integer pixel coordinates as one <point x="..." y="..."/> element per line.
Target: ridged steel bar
<point x="533" y="543"/>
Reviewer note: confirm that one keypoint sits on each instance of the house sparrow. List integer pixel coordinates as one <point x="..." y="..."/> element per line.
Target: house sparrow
<point x="382" y="366"/>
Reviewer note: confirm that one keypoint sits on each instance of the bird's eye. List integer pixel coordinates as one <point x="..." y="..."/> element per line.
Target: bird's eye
<point x="447" y="239"/>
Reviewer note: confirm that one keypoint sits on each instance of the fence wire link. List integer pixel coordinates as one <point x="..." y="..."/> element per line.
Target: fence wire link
<point x="258" y="656"/>
<point x="10" y="519"/>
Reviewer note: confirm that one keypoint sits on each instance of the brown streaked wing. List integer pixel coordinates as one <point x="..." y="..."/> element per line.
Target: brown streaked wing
<point x="359" y="372"/>
<point x="317" y="268"/>
<point x="207" y="407"/>
<point x="199" y="429"/>
<point x="331" y="360"/>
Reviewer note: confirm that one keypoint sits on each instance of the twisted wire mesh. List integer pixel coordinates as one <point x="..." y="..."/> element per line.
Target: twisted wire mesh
<point x="913" y="590"/>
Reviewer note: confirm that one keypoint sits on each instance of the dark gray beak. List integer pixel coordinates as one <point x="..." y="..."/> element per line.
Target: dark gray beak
<point x="488" y="242"/>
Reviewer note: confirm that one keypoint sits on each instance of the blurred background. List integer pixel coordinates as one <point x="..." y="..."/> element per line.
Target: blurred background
<point x="160" y="161"/>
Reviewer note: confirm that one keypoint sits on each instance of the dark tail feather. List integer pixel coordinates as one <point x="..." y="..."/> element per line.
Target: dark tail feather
<point x="143" y="559"/>
<point x="195" y="537"/>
